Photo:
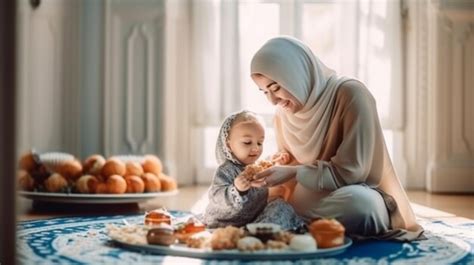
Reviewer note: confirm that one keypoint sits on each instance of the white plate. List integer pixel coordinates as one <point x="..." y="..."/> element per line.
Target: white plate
<point x="182" y="250"/>
<point x="94" y="198"/>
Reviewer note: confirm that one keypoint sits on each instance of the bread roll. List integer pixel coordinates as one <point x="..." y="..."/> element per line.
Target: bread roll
<point x="28" y="162"/>
<point x="101" y="188"/>
<point x="135" y="184"/>
<point x="93" y="164"/>
<point x="152" y="183"/>
<point x="167" y="183"/>
<point x="113" y="166"/>
<point x="25" y="180"/>
<point x="152" y="164"/>
<point x="55" y="183"/>
<point x="71" y="169"/>
<point x="87" y="184"/>
<point x="116" y="184"/>
<point x="327" y="232"/>
<point x="133" y="168"/>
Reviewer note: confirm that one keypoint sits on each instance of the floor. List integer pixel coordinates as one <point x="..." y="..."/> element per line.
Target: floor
<point x="425" y="204"/>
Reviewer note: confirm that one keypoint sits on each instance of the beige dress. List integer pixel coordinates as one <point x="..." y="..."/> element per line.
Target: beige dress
<point x="353" y="173"/>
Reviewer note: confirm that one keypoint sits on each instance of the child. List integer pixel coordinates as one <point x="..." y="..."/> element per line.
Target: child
<point x="232" y="199"/>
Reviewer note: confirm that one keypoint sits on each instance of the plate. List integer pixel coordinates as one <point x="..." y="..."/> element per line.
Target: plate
<point x="94" y="198"/>
<point x="184" y="251"/>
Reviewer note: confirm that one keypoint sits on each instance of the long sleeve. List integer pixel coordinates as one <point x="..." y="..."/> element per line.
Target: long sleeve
<point x="226" y="205"/>
<point x="356" y="146"/>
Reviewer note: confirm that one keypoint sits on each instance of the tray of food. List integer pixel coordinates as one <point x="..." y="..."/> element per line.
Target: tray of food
<point x="162" y="234"/>
<point x="61" y="177"/>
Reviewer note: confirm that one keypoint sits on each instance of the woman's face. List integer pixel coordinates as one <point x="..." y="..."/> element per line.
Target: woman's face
<point x="277" y="94"/>
<point x="246" y="141"/>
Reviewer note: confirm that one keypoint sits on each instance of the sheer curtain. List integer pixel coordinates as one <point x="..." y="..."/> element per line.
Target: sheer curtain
<point x="359" y="38"/>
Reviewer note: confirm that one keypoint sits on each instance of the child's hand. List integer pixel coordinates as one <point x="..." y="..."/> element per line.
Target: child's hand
<point x="242" y="183"/>
<point x="282" y="158"/>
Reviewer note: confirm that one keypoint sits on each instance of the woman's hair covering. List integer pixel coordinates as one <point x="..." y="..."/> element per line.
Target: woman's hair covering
<point x="223" y="151"/>
<point x="291" y="64"/>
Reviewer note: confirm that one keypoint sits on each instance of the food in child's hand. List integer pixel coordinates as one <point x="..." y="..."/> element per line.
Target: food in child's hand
<point x="327" y="232"/>
<point x="303" y="243"/>
<point x="250" y="243"/>
<point x="93" y="164"/>
<point x="163" y="234"/>
<point x="252" y="169"/>
<point x="157" y="217"/>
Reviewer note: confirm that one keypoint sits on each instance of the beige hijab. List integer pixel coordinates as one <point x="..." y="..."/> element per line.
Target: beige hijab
<point x="291" y="64"/>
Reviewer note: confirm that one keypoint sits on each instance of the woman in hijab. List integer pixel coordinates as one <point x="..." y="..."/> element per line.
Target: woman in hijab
<point x="329" y="125"/>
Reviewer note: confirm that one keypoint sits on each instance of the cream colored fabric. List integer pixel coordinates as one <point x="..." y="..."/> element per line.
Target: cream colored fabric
<point x="339" y="145"/>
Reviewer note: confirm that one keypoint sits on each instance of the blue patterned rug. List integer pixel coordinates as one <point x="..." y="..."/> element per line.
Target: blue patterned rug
<point x="82" y="240"/>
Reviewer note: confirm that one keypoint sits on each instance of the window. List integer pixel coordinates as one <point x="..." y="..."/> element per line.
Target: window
<point x="355" y="38"/>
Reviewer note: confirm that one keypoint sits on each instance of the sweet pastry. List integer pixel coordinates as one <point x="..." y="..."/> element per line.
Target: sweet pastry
<point x="116" y="184"/>
<point x="167" y="183"/>
<point x="303" y="243"/>
<point x="274" y="244"/>
<point x="87" y="184"/>
<point x="199" y="240"/>
<point x="226" y="238"/>
<point x="25" y="180"/>
<point x="29" y="162"/>
<point x="284" y="237"/>
<point x="264" y="231"/>
<point x="152" y="164"/>
<point x="186" y="230"/>
<point x="152" y="183"/>
<point x="93" y="164"/>
<point x="250" y="243"/>
<point x="55" y="183"/>
<point x="327" y="232"/>
<point x="71" y="169"/>
<point x="133" y="168"/>
<point x="113" y="166"/>
<point x="162" y="234"/>
<point x="101" y="188"/>
<point x="135" y="184"/>
<point x="157" y="217"/>
<point x="252" y="169"/>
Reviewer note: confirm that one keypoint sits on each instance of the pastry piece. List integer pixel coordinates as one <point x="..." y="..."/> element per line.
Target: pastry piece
<point x="226" y="238"/>
<point x="163" y="235"/>
<point x="251" y="170"/>
<point x="87" y="184"/>
<point x="186" y="230"/>
<point x="284" y="237"/>
<point x="303" y="243"/>
<point x="133" y="168"/>
<point x="264" y="231"/>
<point x="25" y="180"/>
<point x="327" y="232"/>
<point x="152" y="164"/>
<point x="273" y="244"/>
<point x="101" y="188"/>
<point x="135" y="184"/>
<point x="116" y="184"/>
<point x="250" y="243"/>
<point x="152" y="183"/>
<point x="63" y="163"/>
<point x="199" y="240"/>
<point x="29" y="162"/>
<point x="157" y="217"/>
<point x="93" y="164"/>
<point x="113" y="166"/>
<point x="167" y="183"/>
<point x="55" y="183"/>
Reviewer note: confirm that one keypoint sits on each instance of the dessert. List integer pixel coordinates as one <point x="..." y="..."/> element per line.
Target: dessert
<point x="327" y="232"/>
<point x="25" y="180"/>
<point x="250" y="243"/>
<point x="29" y="162"/>
<point x="264" y="231"/>
<point x="87" y="184"/>
<point x="167" y="183"/>
<point x="157" y="217"/>
<point x="133" y="168"/>
<point x="186" y="230"/>
<point x="303" y="243"/>
<point x="226" y="238"/>
<point x="135" y="184"/>
<point x="273" y="244"/>
<point x="93" y="164"/>
<point x="116" y="184"/>
<point x="55" y="183"/>
<point x="163" y="234"/>
<point x="199" y="240"/>
<point x="113" y="166"/>
<point x="152" y="183"/>
<point x="152" y="164"/>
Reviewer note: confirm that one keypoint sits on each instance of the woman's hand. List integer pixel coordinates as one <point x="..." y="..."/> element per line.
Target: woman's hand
<point x="274" y="176"/>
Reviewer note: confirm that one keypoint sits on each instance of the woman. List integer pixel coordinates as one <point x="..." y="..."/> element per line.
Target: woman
<point x="329" y="124"/>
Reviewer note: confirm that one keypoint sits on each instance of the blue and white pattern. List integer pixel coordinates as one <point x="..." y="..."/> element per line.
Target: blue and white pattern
<point x="83" y="240"/>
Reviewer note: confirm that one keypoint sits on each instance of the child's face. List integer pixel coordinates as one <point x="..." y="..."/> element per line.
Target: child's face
<point x="246" y="141"/>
